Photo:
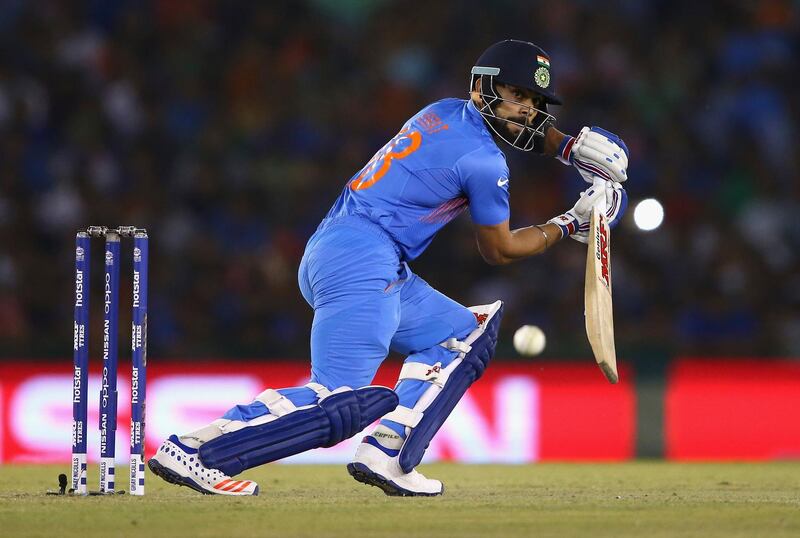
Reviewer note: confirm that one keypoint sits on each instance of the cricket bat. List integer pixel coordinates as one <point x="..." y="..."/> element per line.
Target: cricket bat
<point x="597" y="295"/>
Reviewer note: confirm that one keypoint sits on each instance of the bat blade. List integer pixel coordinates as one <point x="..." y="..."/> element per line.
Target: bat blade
<point x="597" y="297"/>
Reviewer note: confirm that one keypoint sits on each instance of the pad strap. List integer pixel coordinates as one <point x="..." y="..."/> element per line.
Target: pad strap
<point x="321" y="391"/>
<point x="405" y="416"/>
<point x="277" y="403"/>
<point x="424" y="372"/>
<point x="454" y="344"/>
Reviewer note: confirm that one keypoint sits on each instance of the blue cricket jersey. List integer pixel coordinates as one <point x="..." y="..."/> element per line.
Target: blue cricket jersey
<point x="442" y="160"/>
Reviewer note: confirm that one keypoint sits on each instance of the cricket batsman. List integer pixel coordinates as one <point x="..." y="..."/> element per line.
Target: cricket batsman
<point x="367" y="300"/>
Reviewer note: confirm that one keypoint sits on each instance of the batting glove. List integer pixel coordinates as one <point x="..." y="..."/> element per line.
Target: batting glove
<point x="596" y="152"/>
<point x="575" y="222"/>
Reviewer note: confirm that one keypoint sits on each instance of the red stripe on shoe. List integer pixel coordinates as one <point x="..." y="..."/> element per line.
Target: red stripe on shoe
<point x="231" y="486"/>
<point x="226" y="481"/>
<point x="244" y="485"/>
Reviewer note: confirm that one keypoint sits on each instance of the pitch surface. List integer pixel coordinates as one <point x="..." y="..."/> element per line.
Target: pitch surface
<point x="652" y="499"/>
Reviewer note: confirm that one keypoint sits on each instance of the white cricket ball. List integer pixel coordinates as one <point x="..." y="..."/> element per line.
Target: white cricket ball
<point x="529" y="340"/>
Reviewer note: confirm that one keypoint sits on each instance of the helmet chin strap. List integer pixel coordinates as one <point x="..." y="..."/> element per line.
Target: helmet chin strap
<point x="530" y="137"/>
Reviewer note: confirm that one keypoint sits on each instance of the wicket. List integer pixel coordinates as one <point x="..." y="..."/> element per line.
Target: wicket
<point x="108" y="385"/>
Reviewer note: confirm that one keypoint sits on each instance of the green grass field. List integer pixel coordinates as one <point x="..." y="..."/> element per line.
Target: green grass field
<point x="650" y="499"/>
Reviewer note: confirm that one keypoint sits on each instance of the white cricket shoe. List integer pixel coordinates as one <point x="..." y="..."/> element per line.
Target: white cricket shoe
<point x="179" y="464"/>
<point x="372" y="466"/>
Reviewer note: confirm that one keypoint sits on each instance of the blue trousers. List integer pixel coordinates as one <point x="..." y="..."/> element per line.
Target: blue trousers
<point x="366" y="302"/>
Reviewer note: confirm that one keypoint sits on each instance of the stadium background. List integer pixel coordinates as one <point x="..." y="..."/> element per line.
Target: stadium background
<point x="228" y="128"/>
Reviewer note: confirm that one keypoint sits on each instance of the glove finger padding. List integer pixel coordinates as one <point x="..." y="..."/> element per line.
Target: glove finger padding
<point x="613" y="152"/>
<point x="612" y="138"/>
<point x="591" y="160"/>
<point x="616" y="203"/>
<point x="596" y="152"/>
<point x="608" y="157"/>
<point x="594" y="197"/>
<point x="571" y="221"/>
<point x="589" y="198"/>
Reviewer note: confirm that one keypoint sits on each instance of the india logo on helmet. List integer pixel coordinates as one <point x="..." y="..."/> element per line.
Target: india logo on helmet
<point x="542" y="77"/>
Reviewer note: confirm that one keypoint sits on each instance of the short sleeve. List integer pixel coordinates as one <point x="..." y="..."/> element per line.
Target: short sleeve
<point x="484" y="179"/>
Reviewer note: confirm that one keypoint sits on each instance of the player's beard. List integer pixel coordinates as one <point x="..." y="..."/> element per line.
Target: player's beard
<point x="503" y="127"/>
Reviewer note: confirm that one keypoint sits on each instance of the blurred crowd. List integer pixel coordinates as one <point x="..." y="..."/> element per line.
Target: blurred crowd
<point x="227" y="130"/>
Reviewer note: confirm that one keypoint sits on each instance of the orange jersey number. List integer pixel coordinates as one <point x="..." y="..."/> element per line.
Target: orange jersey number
<point x="401" y="146"/>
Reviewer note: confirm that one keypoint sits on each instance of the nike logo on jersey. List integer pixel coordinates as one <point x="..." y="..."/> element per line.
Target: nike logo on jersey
<point x="502" y="182"/>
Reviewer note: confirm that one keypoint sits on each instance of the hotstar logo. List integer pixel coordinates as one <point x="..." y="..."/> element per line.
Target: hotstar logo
<point x="78" y="288"/>
<point x="76" y="385"/>
<point x="134" y="385"/>
<point x="136" y="289"/>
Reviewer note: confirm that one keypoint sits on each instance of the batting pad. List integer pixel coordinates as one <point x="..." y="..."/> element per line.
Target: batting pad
<point x="447" y="386"/>
<point x="336" y="417"/>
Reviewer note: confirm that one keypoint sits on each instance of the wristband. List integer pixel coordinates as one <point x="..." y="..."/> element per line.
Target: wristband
<point x="564" y="153"/>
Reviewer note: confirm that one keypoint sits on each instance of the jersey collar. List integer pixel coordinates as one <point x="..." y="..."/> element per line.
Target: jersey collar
<point x="475" y="116"/>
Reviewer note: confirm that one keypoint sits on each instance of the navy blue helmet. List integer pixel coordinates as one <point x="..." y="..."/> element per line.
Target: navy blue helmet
<point x="521" y="64"/>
